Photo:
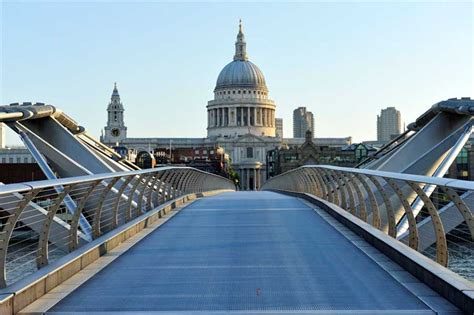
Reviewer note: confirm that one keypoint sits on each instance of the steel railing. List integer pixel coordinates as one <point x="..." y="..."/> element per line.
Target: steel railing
<point x="384" y="199"/>
<point x="37" y="226"/>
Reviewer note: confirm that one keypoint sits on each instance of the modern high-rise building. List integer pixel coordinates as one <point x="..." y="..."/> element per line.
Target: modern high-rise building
<point x="2" y="135"/>
<point x="389" y="124"/>
<point x="302" y="122"/>
<point x="279" y="127"/>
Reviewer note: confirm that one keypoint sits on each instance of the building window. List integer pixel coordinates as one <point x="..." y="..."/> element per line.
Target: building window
<point x="233" y="92"/>
<point x="360" y="153"/>
<point x="25" y="160"/>
<point x="4" y="160"/>
<point x="196" y="152"/>
<point x="462" y="166"/>
<point x="10" y="160"/>
<point x="249" y="152"/>
<point x="204" y="151"/>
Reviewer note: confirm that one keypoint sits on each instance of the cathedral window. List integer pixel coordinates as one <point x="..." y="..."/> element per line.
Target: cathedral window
<point x="249" y="152"/>
<point x="239" y="91"/>
<point x="245" y="92"/>
<point x="233" y="92"/>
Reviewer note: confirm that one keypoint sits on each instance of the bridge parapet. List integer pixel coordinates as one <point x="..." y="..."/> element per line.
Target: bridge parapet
<point x="374" y="196"/>
<point x="38" y="226"/>
<point x="366" y="202"/>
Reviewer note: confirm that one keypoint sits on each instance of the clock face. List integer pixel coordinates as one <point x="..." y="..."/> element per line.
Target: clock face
<point x="115" y="132"/>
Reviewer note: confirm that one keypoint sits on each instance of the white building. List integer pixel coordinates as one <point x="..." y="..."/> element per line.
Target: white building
<point x="389" y="124"/>
<point x="18" y="155"/>
<point x="241" y="119"/>
<point x="2" y="136"/>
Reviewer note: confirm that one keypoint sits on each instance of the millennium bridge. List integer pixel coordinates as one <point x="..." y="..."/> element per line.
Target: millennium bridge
<point x="102" y="236"/>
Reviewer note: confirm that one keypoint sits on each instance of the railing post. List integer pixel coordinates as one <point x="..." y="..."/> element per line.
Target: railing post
<point x="361" y="200"/>
<point x="348" y="185"/>
<point x="141" y="194"/>
<point x="335" y="184"/>
<point x="342" y="189"/>
<point x="412" y="229"/>
<point x="441" y="244"/>
<point x="186" y="180"/>
<point x="392" y="225"/>
<point x="8" y="230"/>
<point x="131" y="194"/>
<point x="322" y="188"/>
<point x="373" y="202"/>
<point x="462" y="207"/>
<point x="74" y="226"/>
<point x="152" y="190"/>
<point x="42" y="252"/>
<point x="162" y="195"/>
<point x="98" y="210"/>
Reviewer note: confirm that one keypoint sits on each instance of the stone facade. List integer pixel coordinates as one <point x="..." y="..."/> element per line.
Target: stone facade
<point x="115" y="131"/>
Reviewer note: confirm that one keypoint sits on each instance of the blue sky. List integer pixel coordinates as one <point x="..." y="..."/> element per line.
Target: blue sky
<point x="344" y="61"/>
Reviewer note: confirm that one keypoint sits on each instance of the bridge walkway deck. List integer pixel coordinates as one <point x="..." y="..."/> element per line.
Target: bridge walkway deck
<point x="259" y="252"/>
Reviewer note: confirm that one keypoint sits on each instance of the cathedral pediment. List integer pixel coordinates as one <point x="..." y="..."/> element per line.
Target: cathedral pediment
<point x="250" y="138"/>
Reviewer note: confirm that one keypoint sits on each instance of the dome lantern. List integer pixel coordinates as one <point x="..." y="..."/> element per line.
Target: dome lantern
<point x="241" y="73"/>
<point x="240" y="45"/>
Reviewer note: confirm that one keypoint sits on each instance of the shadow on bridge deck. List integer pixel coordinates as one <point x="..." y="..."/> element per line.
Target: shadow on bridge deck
<point x="244" y="251"/>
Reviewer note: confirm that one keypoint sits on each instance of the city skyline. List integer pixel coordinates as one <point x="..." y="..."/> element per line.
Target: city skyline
<point x="176" y="67"/>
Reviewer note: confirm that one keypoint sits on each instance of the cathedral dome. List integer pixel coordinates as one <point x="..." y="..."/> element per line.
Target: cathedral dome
<point x="241" y="73"/>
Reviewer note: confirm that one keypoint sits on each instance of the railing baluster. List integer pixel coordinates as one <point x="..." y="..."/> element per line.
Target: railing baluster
<point x="392" y="226"/>
<point x="42" y="252"/>
<point x="8" y="230"/>
<point x="441" y="244"/>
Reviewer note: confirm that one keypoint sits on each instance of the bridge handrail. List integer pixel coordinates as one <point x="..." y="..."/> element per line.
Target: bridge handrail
<point x="379" y="197"/>
<point x="20" y="187"/>
<point x="41" y="221"/>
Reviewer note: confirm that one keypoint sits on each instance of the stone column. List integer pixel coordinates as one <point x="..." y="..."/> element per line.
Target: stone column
<point x="264" y="121"/>
<point x="248" y="116"/>
<point x="248" y="178"/>
<point x="255" y="179"/>
<point x="241" y="178"/>
<point x="254" y="111"/>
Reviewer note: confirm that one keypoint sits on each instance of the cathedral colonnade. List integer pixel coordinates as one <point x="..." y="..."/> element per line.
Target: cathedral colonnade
<point x="251" y="178"/>
<point x="227" y="116"/>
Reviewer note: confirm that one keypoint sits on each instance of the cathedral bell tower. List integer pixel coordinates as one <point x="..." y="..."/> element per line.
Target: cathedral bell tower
<point x="115" y="131"/>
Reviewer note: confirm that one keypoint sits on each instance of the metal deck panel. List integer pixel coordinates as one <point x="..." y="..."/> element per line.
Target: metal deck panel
<point x="243" y="251"/>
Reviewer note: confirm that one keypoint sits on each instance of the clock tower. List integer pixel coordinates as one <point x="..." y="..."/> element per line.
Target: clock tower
<point x="115" y="131"/>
